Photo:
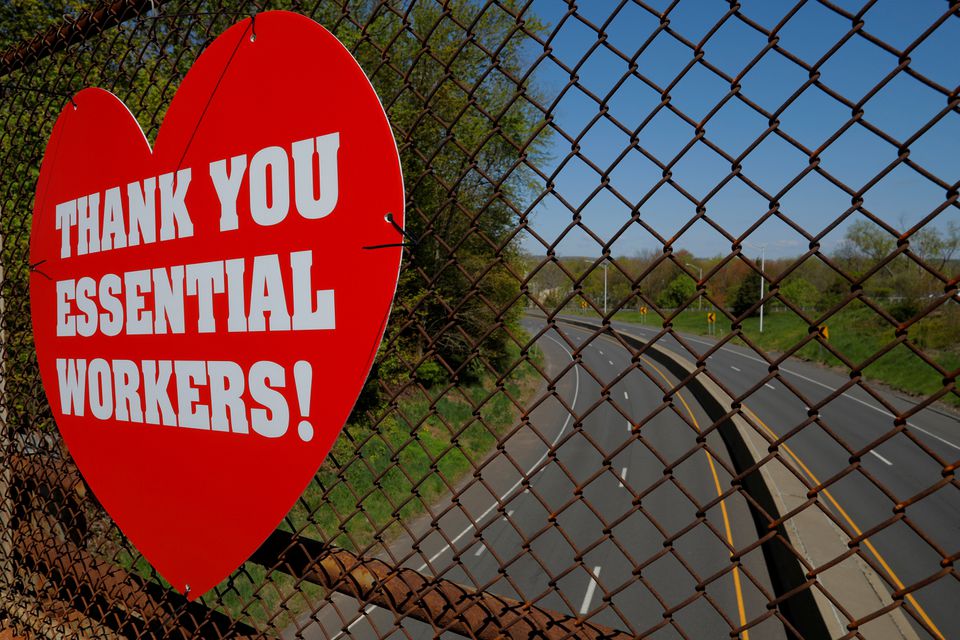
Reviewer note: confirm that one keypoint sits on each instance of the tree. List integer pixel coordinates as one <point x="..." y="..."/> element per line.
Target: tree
<point x="459" y="128"/>
<point x="865" y="244"/>
<point x="678" y="292"/>
<point x="799" y="292"/>
<point x="23" y="19"/>
<point x="746" y="295"/>
<point x="900" y="277"/>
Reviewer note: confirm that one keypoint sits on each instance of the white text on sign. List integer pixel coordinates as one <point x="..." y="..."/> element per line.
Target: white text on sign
<point x="220" y="395"/>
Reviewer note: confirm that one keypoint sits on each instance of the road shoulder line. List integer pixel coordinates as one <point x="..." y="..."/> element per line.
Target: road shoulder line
<point x="573" y="404"/>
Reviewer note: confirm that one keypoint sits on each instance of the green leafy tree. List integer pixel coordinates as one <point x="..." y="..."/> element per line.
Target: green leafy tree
<point x="679" y="291"/>
<point x="746" y="295"/>
<point x="800" y="292"/>
<point x="460" y="129"/>
<point x="21" y="20"/>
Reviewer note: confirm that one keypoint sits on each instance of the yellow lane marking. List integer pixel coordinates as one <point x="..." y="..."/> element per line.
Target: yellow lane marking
<point x="723" y="505"/>
<point x="873" y="550"/>
<point x="853" y="525"/>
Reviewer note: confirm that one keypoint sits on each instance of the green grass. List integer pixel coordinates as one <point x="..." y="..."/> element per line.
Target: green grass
<point x="856" y="333"/>
<point x="421" y="450"/>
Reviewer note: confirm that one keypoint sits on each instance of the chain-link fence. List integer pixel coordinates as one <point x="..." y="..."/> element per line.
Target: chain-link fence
<point x="673" y="352"/>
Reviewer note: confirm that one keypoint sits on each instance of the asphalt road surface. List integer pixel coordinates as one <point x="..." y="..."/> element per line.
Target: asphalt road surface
<point x="901" y="467"/>
<point x="600" y="584"/>
<point x="593" y="572"/>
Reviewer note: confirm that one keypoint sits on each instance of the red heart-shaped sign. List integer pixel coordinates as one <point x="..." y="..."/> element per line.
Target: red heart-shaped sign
<point x="206" y="314"/>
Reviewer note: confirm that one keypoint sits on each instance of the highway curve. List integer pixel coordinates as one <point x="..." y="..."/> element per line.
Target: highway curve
<point x="628" y="579"/>
<point x="890" y="473"/>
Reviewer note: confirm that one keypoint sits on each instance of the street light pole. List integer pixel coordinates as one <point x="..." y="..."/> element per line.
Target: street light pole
<point x="699" y="298"/>
<point x="763" y="261"/>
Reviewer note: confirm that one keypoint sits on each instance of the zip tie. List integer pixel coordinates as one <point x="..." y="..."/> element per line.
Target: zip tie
<point x="393" y="223"/>
<point x="33" y="269"/>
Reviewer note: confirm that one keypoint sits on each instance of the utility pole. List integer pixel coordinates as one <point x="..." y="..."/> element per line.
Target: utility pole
<point x="699" y="298"/>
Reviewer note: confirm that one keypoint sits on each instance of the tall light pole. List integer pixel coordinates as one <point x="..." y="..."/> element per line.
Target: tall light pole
<point x="606" y="265"/>
<point x="699" y="298"/>
<point x="763" y="260"/>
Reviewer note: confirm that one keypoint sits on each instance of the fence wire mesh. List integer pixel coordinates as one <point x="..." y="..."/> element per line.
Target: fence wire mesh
<point x="556" y="441"/>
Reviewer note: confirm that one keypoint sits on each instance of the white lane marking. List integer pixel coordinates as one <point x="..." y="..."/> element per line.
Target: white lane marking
<point x="483" y="546"/>
<point x="629" y="427"/>
<point x="888" y="463"/>
<point x="360" y="618"/>
<point x="588" y="596"/>
<point x="825" y="386"/>
<point x="601" y="352"/>
<point x="469" y="527"/>
<point x="623" y="476"/>
<point x="610" y="361"/>
<point x="626" y="396"/>
<point x="870" y="406"/>
<point x="735" y="369"/>
<point x="769" y="386"/>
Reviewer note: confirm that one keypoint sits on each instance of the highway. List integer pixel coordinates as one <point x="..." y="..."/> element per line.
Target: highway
<point x="594" y="428"/>
<point x="578" y="427"/>
<point x="898" y="464"/>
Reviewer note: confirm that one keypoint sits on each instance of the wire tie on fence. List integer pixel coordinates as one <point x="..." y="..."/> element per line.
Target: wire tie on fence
<point x="210" y="99"/>
<point x="253" y="28"/>
<point x="33" y="269"/>
<point x="393" y="223"/>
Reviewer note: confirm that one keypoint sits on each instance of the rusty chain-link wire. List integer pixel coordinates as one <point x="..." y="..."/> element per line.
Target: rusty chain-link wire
<point x="532" y="457"/>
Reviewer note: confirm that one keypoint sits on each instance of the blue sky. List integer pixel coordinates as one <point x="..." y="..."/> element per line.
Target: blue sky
<point x="902" y="107"/>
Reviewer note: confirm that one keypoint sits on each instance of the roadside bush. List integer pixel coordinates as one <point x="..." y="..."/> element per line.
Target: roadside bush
<point x="903" y="310"/>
